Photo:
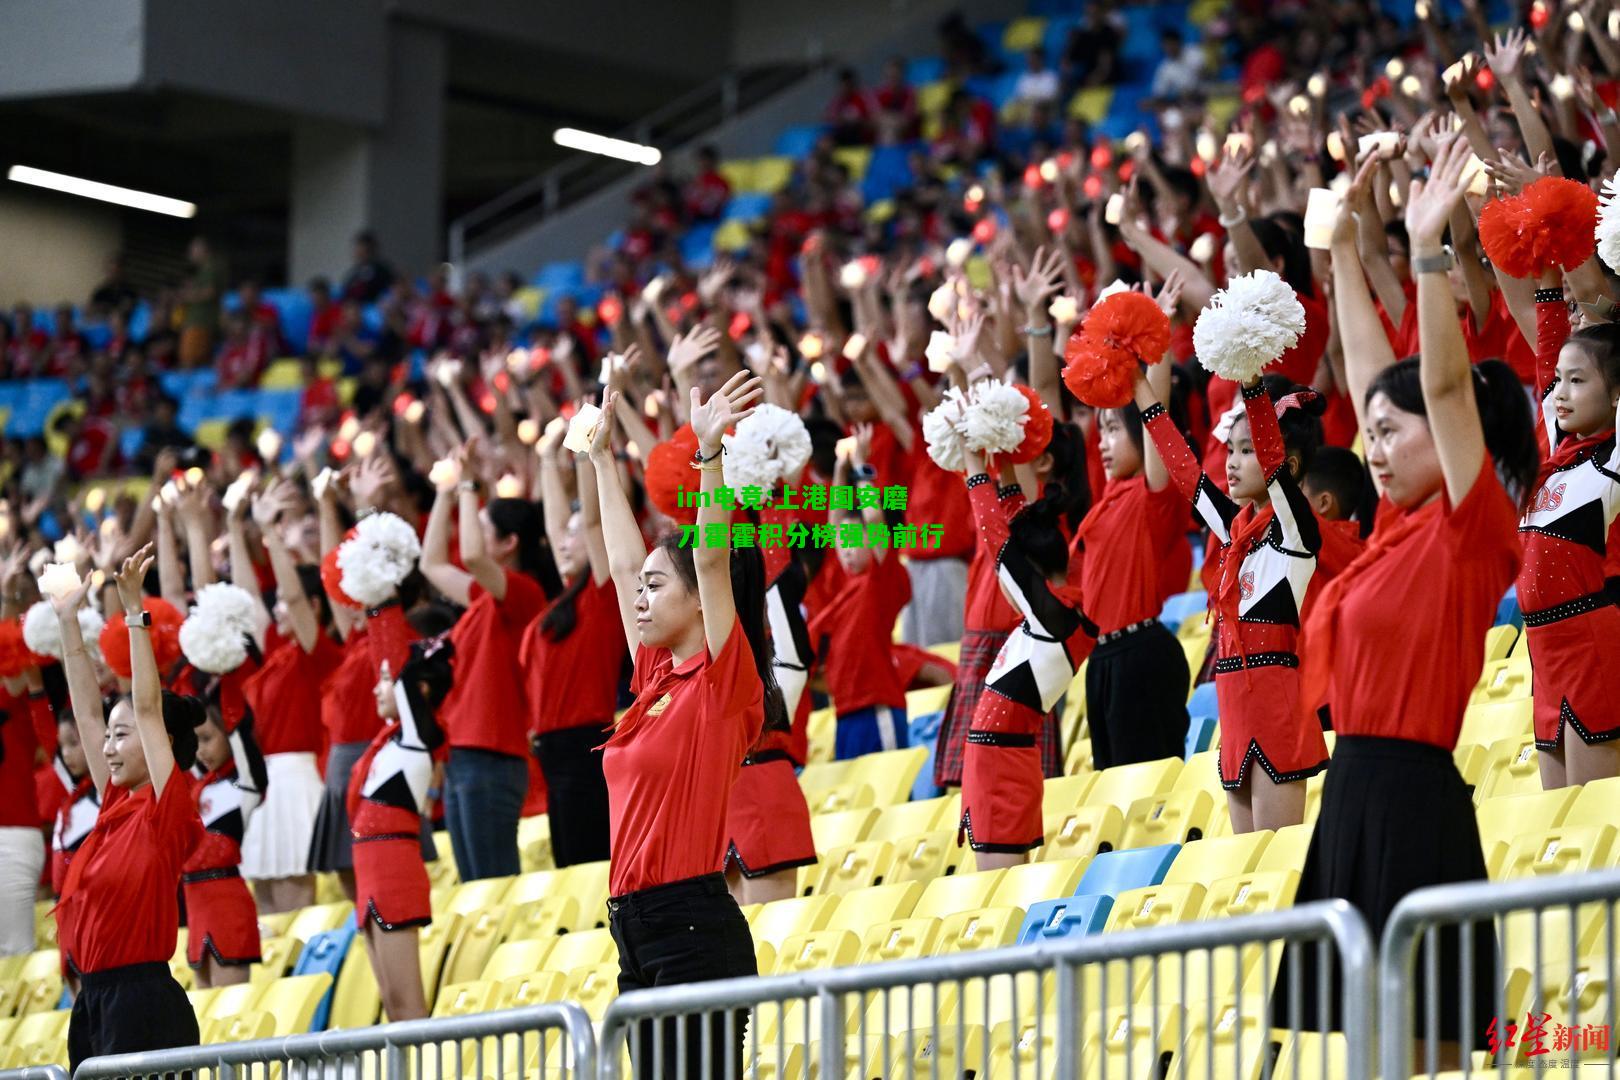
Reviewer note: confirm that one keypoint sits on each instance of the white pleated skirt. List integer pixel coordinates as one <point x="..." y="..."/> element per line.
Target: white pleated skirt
<point x="276" y="843"/>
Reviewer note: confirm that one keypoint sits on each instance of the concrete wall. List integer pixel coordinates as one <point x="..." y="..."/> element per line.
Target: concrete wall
<point x="69" y="46"/>
<point x="78" y="235"/>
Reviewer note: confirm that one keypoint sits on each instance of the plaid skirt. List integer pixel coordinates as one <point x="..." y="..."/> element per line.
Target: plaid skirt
<point x="979" y="651"/>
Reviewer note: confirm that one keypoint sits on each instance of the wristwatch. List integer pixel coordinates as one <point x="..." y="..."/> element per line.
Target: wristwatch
<point x="1439" y="263"/>
<point x="142" y="620"/>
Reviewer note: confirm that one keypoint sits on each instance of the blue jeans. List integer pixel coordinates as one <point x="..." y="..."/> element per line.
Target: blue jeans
<point x="868" y="730"/>
<point x="483" y="799"/>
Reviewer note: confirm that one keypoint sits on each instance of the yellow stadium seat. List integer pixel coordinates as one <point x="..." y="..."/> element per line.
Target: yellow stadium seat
<point x="588" y="884"/>
<point x="1028" y="883"/>
<point x="1505" y="817"/>
<point x="781" y="919"/>
<point x="816" y="950"/>
<point x="929" y="699"/>
<point x="243" y="1027"/>
<point x="229" y="1001"/>
<point x="534" y="843"/>
<point x="539" y="919"/>
<point x="978" y="929"/>
<point x="179" y="968"/>
<point x="771" y="174"/>
<point x="1487" y="722"/>
<point x="821" y="729"/>
<point x="277" y="955"/>
<point x="1168" y="818"/>
<point x="733" y="235"/>
<point x="1499" y="641"/>
<point x="594" y="988"/>
<point x="830" y="786"/>
<point x="528" y="299"/>
<point x="1155" y="905"/>
<point x="1302" y="1055"/>
<point x="1124" y="784"/>
<point x="44" y="925"/>
<point x="739" y="174"/>
<point x="910" y="818"/>
<point x="854" y="866"/>
<point x="855" y="159"/>
<point x="1503" y="680"/>
<point x="1202" y="772"/>
<point x="464" y="999"/>
<point x="1123" y="1042"/>
<point x="433" y="945"/>
<point x="899" y="939"/>
<point x="200" y="1000"/>
<point x="284" y="374"/>
<point x="1286" y="849"/>
<point x="1220" y="109"/>
<point x="959" y="892"/>
<point x="1596" y="802"/>
<point x="890" y="774"/>
<point x="864" y="908"/>
<point x="1511" y="768"/>
<point x="1236" y="1047"/>
<point x="842" y="827"/>
<point x="514" y="958"/>
<point x="480" y="934"/>
<point x="1092" y="103"/>
<point x="210" y="434"/>
<point x="39" y="1034"/>
<point x="39" y="982"/>
<point x="535" y="988"/>
<point x="535" y="885"/>
<point x="948" y="650"/>
<point x="586" y="948"/>
<point x="293" y="1000"/>
<point x="880" y="211"/>
<point x="1313" y="797"/>
<point x="1081" y="832"/>
<point x="928" y="855"/>
<point x="318" y="918"/>
<point x="1245" y="894"/>
<point x="356" y="1002"/>
<point x="1063" y="794"/>
<point x="1470" y="760"/>
<point x="1023" y="34"/>
<point x="1559" y="850"/>
<point x="1208" y="860"/>
<point x="933" y="97"/>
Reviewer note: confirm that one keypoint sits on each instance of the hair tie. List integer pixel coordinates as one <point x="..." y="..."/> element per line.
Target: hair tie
<point x="1299" y="399"/>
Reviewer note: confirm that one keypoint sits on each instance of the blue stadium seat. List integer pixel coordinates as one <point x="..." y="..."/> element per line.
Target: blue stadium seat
<point x="1203" y="701"/>
<point x="96" y="335"/>
<point x="325" y="952"/>
<point x="1072" y="916"/>
<point x="296" y="314"/>
<point x="697" y="246"/>
<point x="996" y="89"/>
<point x="1057" y="34"/>
<point x="560" y="275"/>
<point x="1112" y="872"/>
<point x="747" y="206"/>
<point x="1181" y="606"/>
<point x="140" y="320"/>
<point x="130" y="441"/>
<point x="1508" y="610"/>
<point x="887" y="172"/>
<point x="279" y="408"/>
<point x="924" y="69"/>
<point x="924" y="731"/>
<point x="1200" y="732"/>
<point x="797" y="141"/>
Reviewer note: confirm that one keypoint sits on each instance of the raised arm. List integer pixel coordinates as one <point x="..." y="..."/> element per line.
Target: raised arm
<point x="84" y="691"/>
<point x="1300" y="531"/>
<point x="470" y="531"/>
<point x="146" y="690"/>
<point x="267" y="510"/>
<point x="1035" y="290"/>
<point x="243" y="575"/>
<point x="553" y="496"/>
<point x="194" y="516"/>
<point x="454" y="582"/>
<point x="727" y="406"/>
<point x="171" y="572"/>
<point x="1505" y="56"/>
<point x="1366" y="347"/>
<point x="1447" y="378"/>
<point x="626" y="549"/>
<point x="590" y="522"/>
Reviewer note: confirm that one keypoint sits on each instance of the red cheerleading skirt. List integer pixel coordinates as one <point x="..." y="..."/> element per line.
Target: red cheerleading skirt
<point x="391" y="886"/>
<point x="222" y="918"/>
<point x="1576" y="676"/>
<point x="1002" y="778"/>
<point x="768" y="821"/>
<point x="1261" y="721"/>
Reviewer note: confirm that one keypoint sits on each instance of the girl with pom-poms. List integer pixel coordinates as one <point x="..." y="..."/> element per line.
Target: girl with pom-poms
<point x="1396" y="815"/>
<point x="119" y="914"/>
<point x="1268" y="539"/>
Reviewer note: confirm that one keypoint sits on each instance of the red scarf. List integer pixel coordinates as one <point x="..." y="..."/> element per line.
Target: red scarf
<point x="1393" y="527"/>
<point x="1570" y="450"/>
<point x="1248" y="526"/>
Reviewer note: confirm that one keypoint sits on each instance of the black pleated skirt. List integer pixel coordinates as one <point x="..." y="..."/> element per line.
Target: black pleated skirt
<point x="1136" y="698"/>
<point x="1396" y="816"/>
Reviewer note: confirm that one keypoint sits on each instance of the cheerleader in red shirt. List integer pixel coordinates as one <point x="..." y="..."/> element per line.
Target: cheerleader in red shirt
<point x="119" y="915"/>
<point x="76" y="813"/>
<point x="1268" y="540"/>
<point x="1002" y="778"/>
<point x="222" y="938"/>
<point x="572" y="656"/>
<point x="388" y="793"/>
<point x="1570" y="620"/>
<point x="703" y="685"/>
<point x="1396" y="815"/>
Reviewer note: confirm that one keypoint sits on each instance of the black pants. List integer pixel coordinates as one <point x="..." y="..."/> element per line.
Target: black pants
<point x="684" y="932"/>
<point x="576" y="793"/>
<point x="129" y="1009"/>
<point x="1136" y="698"/>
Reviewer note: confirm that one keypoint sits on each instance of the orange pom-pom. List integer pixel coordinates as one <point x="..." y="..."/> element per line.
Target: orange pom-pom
<point x="332" y="577"/>
<point x="15" y="656"/>
<point x="669" y="470"/>
<point x="1037" y="430"/>
<point x="1124" y="330"/>
<point x="1550" y="224"/>
<point x="165" y="635"/>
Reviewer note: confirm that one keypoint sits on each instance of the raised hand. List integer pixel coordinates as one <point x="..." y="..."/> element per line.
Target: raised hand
<point x="730" y="404"/>
<point x="67" y="605"/>
<point x="1429" y="206"/>
<point x="1227" y="177"/>
<point x="131" y="577"/>
<point x="967" y="339"/>
<point x="863" y="444"/>
<point x="694" y="345"/>
<point x="1506" y="53"/>
<point x="1511" y="175"/>
<point x="1043" y="281"/>
<point x="1169" y="294"/>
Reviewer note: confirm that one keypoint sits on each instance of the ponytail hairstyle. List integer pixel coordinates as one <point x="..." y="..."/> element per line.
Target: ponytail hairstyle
<point x="519" y="518"/>
<point x="1602" y="343"/>
<point x="1176" y="407"/>
<point x="748" y="597"/>
<point x="181" y="715"/>
<point x="562" y="616"/>
<point x="1504" y="414"/>
<point x="1068" y="489"/>
<point x="1038" y="531"/>
<point x="1302" y="425"/>
<point x="309" y="579"/>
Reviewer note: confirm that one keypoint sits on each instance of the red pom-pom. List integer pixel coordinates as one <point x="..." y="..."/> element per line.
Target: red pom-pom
<point x="1124" y="330"/>
<point x="332" y="577"/>
<point x="1549" y="224"/>
<point x="1037" y="430"/>
<point x="669" y="470"/>
<point x="15" y="656"/>
<point x="165" y="635"/>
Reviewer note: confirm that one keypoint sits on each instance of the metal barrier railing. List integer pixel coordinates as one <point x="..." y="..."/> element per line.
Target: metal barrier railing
<point x="1118" y="1004"/>
<point x="540" y="1042"/>
<point x="1537" y="945"/>
<point x="35" y="1072"/>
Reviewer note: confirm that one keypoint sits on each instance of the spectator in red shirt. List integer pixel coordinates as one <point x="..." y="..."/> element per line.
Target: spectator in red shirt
<point x="327" y="318"/>
<point x="708" y="192"/>
<point x="969" y="130"/>
<point x="242" y="358"/>
<point x="894" y="105"/>
<point x="25" y="356"/>
<point x="849" y="114"/>
<point x="67" y="348"/>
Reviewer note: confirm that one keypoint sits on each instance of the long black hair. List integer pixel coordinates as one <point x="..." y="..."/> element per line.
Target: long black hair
<point x="1279" y="243"/>
<point x="1504" y="414"/>
<point x="562" y="616"/>
<point x="181" y="715"/>
<point x="520" y="518"/>
<point x="1301" y="427"/>
<point x="1068" y="488"/>
<point x="748" y="597"/>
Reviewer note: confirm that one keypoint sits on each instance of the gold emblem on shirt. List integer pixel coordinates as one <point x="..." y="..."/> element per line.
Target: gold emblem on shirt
<point x="657" y="707"/>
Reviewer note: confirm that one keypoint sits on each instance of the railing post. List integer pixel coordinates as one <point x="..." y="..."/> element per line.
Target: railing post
<point x="832" y="1032"/>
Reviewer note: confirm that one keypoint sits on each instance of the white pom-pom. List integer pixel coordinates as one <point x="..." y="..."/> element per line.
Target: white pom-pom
<point x="229" y="604"/>
<point x="1247" y="325"/>
<point x="379" y="556"/>
<point x="211" y="643"/>
<point x="768" y="447"/>
<point x="42" y="633"/>
<point x="59" y="579"/>
<point x="942" y="432"/>
<point x="1608" y="223"/>
<point x="993" y="422"/>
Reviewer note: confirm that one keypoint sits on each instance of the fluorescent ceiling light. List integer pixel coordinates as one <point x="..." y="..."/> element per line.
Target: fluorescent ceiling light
<point x="575" y="139"/>
<point x="91" y="189"/>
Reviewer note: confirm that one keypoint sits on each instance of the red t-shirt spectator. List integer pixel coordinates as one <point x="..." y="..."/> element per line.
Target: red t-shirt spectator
<point x="574" y="681"/>
<point x="854" y="631"/>
<point x="706" y="195"/>
<point x="285" y="695"/>
<point x="487" y="708"/>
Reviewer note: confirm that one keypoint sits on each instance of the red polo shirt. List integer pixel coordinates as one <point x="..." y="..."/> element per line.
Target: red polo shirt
<point x="672" y="761"/>
<point x="487" y="708"/>
<point x="348" y="700"/>
<point x="1128" y="534"/>
<point x="285" y="695"/>
<point x="574" y="681"/>
<point x="18" y="744"/>
<point x="854" y="631"/>
<point x="120" y="903"/>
